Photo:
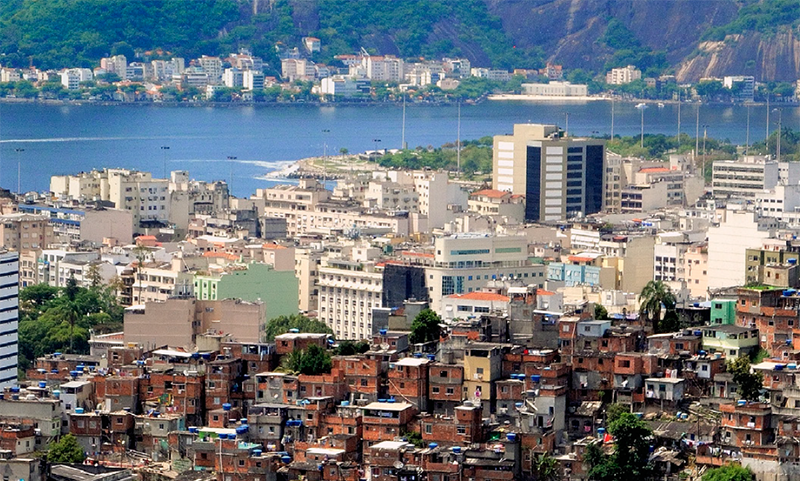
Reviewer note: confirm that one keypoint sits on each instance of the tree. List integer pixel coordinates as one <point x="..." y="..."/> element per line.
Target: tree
<point x="283" y="324"/>
<point x="750" y="382"/>
<point x="614" y="411"/>
<point x="731" y="472"/>
<point x="344" y="151"/>
<point x="545" y="468"/>
<point x="350" y="348"/>
<point x="65" y="450"/>
<point x="141" y="255"/>
<point x="38" y="295"/>
<point x="94" y="276"/>
<point x="425" y="327"/>
<point x="600" y="312"/>
<point x="630" y="459"/>
<point x="312" y="361"/>
<point x="653" y="296"/>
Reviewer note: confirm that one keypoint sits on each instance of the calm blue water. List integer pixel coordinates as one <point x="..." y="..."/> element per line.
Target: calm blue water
<point x="61" y="139"/>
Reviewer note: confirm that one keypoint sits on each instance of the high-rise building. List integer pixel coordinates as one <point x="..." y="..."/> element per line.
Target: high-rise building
<point x="560" y="177"/>
<point x="9" y="317"/>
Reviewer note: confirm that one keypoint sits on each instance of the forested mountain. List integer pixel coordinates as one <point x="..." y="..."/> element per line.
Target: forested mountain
<point x="690" y="38"/>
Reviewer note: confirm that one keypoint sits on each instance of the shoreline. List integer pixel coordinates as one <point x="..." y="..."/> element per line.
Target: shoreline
<point x="494" y="97"/>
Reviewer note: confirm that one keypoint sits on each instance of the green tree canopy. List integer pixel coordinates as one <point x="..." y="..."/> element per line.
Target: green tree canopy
<point x="425" y="327"/>
<point x="312" y="361"/>
<point x="614" y="411"/>
<point x="282" y="325"/>
<point x="730" y="472"/>
<point x="750" y="382"/>
<point x="654" y="295"/>
<point x="350" y="348"/>
<point x="630" y="459"/>
<point x="65" y="450"/>
<point x="600" y="312"/>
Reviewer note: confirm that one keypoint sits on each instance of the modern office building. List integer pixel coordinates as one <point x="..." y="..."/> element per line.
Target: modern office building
<point x="560" y="177"/>
<point x="9" y="317"/>
<point x="465" y="263"/>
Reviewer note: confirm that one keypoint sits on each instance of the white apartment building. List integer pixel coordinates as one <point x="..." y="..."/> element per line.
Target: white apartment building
<point x="306" y="268"/>
<point x="393" y="196"/>
<point x="439" y="199"/>
<point x="344" y="86"/>
<point x="253" y="80"/>
<point x="71" y="78"/>
<point x="146" y="198"/>
<point x="308" y="208"/>
<point x="386" y="68"/>
<point x="728" y="242"/>
<point x="117" y="64"/>
<point x="9" y="75"/>
<point x="9" y="318"/>
<point x="213" y="67"/>
<point x="348" y="291"/>
<point x="623" y="75"/>
<point x="781" y="202"/>
<point x="233" y="77"/>
<point x="464" y="263"/>
<point x="297" y="69"/>
<point x="746" y="177"/>
<point x="496" y="75"/>
<point x="556" y="89"/>
<point x="159" y="282"/>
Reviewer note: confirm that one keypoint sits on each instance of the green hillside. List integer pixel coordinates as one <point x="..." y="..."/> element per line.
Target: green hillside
<point x="59" y="33"/>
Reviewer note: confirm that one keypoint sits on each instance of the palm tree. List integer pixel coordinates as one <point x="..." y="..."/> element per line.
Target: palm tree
<point x="545" y="468"/>
<point x="70" y="309"/>
<point x="653" y="296"/>
<point x="141" y="255"/>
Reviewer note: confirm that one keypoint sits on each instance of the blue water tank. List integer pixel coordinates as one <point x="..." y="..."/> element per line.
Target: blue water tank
<point x="80" y="367"/>
<point x="418" y="355"/>
<point x="433" y="445"/>
<point x="511" y="436"/>
<point x="456" y="449"/>
<point x="243" y="420"/>
<point x="698" y="332"/>
<point x="294" y="331"/>
<point x="536" y="378"/>
<point x="42" y="384"/>
<point x="56" y="393"/>
<point x="286" y="459"/>
<point x="345" y="403"/>
<point x="391" y="400"/>
<point x="54" y="371"/>
<point x="15" y="389"/>
<point x="242" y="429"/>
<point x="741" y="402"/>
<point x="382" y="332"/>
<point x="226" y="407"/>
<point x="431" y="357"/>
<point x="78" y="410"/>
<point x="257" y="452"/>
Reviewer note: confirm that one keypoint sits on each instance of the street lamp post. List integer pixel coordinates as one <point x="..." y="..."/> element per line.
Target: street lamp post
<point x="376" y="146"/>
<point x="164" y="149"/>
<point x="19" y="169"/>
<point x="231" y="158"/>
<point x="778" y="146"/>
<point x="566" y="124"/>
<point x="705" y="136"/>
<point x="642" y="135"/>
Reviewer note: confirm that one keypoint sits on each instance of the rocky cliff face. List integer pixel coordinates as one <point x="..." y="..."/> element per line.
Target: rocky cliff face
<point x="775" y="57"/>
<point x="569" y="30"/>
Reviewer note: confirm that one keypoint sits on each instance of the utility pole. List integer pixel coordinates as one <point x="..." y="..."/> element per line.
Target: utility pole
<point x="766" y="139"/>
<point x="697" y="135"/>
<point x="566" y="126"/>
<point x="612" y="118"/>
<point x="747" y="142"/>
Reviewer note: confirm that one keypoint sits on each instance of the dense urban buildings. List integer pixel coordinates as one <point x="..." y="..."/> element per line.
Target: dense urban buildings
<point x="406" y="324"/>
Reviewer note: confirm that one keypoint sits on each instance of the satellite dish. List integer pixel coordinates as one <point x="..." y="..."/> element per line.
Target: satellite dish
<point x="398" y="464"/>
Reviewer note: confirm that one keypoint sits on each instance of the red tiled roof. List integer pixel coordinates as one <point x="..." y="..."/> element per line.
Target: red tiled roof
<point x="653" y="170"/>
<point x="272" y="246"/>
<point x="542" y="292"/>
<point x="417" y="254"/>
<point x="580" y="259"/>
<point x="492" y="193"/>
<point x="480" y="296"/>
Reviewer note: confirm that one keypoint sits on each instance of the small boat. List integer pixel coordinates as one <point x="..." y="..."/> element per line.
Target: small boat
<point x="641" y="105"/>
<point x="661" y="105"/>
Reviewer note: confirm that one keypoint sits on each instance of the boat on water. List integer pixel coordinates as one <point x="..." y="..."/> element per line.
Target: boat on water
<point x="641" y="105"/>
<point x="661" y="105"/>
